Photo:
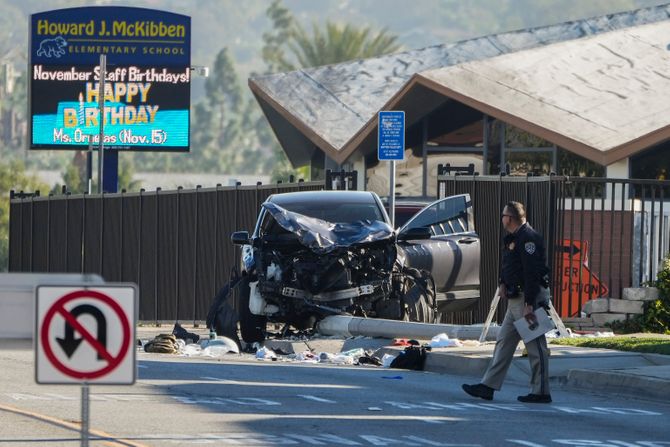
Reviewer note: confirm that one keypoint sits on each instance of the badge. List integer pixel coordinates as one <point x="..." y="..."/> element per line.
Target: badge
<point x="530" y="247"/>
<point x="511" y="246"/>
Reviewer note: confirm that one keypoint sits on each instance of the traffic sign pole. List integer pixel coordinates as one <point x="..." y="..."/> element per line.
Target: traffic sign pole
<point x="84" y="414"/>
<point x="392" y="193"/>
<point x="391" y="147"/>
<point x="99" y="348"/>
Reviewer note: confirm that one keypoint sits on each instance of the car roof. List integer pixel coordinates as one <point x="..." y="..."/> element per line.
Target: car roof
<point x="323" y="196"/>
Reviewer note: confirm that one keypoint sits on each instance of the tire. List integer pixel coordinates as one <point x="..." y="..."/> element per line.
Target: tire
<point x="421" y="311"/>
<point x="419" y="308"/>
<point x="252" y="327"/>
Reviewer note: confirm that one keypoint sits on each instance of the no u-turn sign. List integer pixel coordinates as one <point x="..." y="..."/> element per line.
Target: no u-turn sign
<point x="85" y="334"/>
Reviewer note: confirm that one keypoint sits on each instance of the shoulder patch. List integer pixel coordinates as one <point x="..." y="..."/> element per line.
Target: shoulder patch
<point x="529" y="247"/>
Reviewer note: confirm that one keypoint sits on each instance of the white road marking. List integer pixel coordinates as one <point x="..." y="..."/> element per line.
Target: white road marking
<point x="279" y="384"/>
<point x="317" y="399"/>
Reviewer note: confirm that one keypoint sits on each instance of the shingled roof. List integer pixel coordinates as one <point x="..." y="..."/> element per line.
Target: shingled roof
<point x="335" y="107"/>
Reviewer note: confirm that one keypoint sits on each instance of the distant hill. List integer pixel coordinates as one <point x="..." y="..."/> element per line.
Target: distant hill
<point x="240" y="25"/>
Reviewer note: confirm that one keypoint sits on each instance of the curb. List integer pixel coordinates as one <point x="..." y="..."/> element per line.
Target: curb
<point x="619" y="383"/>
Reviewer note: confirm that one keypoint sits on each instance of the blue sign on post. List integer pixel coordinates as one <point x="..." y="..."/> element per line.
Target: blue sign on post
<point x="391" y="136"/>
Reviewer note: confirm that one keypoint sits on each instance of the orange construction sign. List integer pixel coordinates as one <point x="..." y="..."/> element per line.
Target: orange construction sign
<point x="578" y="283"/>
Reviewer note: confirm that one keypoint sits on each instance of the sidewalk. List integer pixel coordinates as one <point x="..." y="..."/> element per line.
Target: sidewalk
<point x="598" y="370"/>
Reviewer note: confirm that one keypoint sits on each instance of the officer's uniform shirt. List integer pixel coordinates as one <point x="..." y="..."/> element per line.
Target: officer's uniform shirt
<point x="524" y="264"/>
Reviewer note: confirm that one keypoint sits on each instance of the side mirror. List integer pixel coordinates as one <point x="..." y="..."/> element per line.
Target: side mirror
<point x="415" y="233"/>
<point x="240" y="237"/>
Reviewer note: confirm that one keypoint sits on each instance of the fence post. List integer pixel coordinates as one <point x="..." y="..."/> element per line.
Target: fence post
<point x="176" y="261"/>
<point x="139" y="241"/>
<point x="195" y="253"/>
<point x="157" y="240"/>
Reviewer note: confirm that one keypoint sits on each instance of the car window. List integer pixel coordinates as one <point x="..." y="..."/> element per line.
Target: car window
<point x="447" y="216"/>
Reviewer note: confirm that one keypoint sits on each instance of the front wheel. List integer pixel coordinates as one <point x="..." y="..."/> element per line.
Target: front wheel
<point x="421" y="311"/>
<point x="419" y="299"/>
<point x="252" y="327"/>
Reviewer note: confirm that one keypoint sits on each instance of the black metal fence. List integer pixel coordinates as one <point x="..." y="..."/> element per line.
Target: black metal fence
<point x="602" y="235"/>
<point x="173" y="244"/>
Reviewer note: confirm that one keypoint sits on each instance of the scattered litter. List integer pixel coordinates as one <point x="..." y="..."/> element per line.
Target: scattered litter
<point x="306" y="357"/>
<point x="404" y="342"/>
<point x="220" y="343"/>
<point x="369" y="359"/>
<point x="191" y="350"/>
<point x="443" y="341"/>
<point x="265" y="354"/>
<point x="553" y="334"/>
<point x="387" y="359"/>
<point x="354" y="352"/>
<point x="338" y="359"/>
<point x="596" y="334"/>
<point x="183" y="334"/>
<point x="413" y="357"/>
<point x="162" y="343"/>
<point x="216" y="351"/>
<point x="374" y="409"/>
<point x="392" y="377"/>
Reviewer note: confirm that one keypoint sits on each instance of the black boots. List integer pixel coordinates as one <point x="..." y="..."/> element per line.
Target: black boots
<point x="535" y="399"/>
<point x="480" y="390"/>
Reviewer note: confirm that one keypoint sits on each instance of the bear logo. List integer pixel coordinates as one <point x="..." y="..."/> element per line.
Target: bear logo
<point x="52" y="47"/>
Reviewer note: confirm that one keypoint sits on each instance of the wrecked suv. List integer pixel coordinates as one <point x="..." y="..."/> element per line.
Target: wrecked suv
<point x="319" y="253"/>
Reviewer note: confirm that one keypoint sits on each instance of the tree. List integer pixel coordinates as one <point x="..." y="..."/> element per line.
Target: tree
<point x="339" y="43"/>
<point x="75" y="178"/>
<point x="273" y="52"/>
<point x="289" y="47"/>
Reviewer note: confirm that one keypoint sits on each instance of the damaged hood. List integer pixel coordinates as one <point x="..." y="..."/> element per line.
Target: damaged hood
<point x="323" y="237"/>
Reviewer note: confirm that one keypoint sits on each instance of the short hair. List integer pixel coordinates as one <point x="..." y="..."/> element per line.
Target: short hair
<point x="517" y="210"/>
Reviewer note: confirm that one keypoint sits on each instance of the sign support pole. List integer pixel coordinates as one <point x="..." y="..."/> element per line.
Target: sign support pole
<point x="392" y="193"/>
<point x="84" y="414"/>
<point x="89" y="165"/>
<point x="391" y="147"/>
<point x="101" y="118"/>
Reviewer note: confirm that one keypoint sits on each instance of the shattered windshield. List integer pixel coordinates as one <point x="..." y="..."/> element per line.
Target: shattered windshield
<point x="337" y="212"/>
<point x="323" y="236"/>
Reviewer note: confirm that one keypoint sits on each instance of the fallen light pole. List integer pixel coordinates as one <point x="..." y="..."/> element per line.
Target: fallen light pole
<point x="375" y="327"/>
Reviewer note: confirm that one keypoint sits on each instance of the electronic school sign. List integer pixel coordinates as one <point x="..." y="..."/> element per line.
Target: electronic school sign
<point x="147" y="82"/>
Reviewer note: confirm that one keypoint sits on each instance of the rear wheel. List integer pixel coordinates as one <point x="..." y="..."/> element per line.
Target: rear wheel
<point x="252" y="327"/>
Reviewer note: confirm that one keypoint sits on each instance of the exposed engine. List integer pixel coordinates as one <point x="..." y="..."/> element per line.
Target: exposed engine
<point x="293" y="280"/>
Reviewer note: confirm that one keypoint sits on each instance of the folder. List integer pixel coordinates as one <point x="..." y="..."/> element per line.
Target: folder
<point x="545" y="324"/>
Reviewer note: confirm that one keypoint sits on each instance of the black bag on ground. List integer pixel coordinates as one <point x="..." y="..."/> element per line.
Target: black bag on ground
<point x="413" y="357"/>
<point x="185" y="335"/>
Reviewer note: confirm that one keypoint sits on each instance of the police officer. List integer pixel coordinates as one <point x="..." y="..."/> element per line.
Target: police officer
<point x="524" y="283"/>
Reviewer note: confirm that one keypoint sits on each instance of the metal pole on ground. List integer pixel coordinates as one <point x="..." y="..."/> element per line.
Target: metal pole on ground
<point x="347" y="326"/>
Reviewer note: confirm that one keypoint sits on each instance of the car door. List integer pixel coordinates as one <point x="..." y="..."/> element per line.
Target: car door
<point x="452" y="253"/>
